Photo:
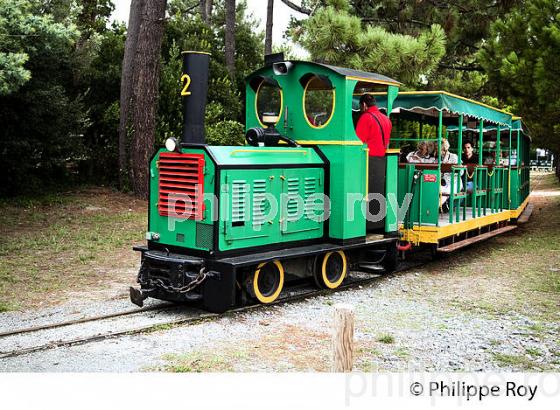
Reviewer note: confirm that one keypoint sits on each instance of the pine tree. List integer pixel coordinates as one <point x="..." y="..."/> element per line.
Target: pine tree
<point x="333" y="35"/>
<point x="522" y="60"/>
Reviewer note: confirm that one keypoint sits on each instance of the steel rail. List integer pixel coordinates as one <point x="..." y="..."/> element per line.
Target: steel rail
<point x="188" y="320"/>
<point x="84" y="320"/>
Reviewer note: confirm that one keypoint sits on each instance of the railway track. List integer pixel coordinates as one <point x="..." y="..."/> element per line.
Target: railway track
<point x="183" y="315"/>
<point x="46" y="336"/>
<point x="84" y="320"/>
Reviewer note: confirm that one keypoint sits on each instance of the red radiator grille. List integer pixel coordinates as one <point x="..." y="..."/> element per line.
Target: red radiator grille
<point x="181" y="185"/>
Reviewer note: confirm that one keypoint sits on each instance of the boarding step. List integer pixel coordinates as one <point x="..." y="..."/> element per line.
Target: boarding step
<point x="525" y="215"/>
<point x="370" y="268"/>
<point x="474" y="239"/>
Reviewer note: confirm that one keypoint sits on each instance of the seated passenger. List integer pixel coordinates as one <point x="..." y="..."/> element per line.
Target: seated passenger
<point x="448" y="157"/>
<point x="420" y="155"/>
<point x="490" y="159"/>
<point x="432" y="153"/>
<point x="468" y="158"/>
<point x="505" y="159"/>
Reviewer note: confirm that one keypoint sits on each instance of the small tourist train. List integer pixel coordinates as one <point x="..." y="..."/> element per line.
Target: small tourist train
<point x="231" y="225"/>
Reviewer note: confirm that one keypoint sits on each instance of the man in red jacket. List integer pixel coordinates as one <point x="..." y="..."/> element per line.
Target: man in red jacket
<point x="373" y="128"/>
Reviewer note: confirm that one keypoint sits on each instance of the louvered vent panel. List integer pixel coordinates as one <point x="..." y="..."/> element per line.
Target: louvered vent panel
<point x="259" y="199"/>
<point x="181" y="185"/>
<point x="293" y="193"/>
<point x="239" y="200"/>
<point x="310" y="188"/>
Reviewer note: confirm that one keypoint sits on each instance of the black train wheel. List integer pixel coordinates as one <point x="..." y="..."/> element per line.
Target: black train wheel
<point x="267" y="281"/>
<point x="330" y="270"/>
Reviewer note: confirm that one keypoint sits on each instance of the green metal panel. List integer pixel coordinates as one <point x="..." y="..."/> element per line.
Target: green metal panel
<point x="391" y="180"/>
<point x="251" y="206"/>
<point x="283" y="155"/>
<point x="299" y="186"/>
<point x="178" y="231"/>
<point x="392" y="93"/>
<point x="402" y="184"/>
<point x="514" y="189"/>
<point x="244" y="210"/>
<point x="424" y="207"/>
<point x="428" y="197"/>
<point x="348" y="190"/>
<point x="506" y="189"/>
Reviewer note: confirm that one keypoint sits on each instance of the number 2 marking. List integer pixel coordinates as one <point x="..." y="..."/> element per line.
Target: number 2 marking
<point x="187" y="80"/>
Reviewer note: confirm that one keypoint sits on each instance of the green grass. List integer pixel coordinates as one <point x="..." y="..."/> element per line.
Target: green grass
<point x="5" y="307"/>
<point x="369" y="351"/>
<point x="536" y="328"/>
<point x="516" y="361"/>
<point x="51" y="243"/>
<point x="195" y="363"/>
<point x="402" y="352"/>
<point x="386" y="338"/>
<point x="533" y="352"/>
<point x="33" y="201"/>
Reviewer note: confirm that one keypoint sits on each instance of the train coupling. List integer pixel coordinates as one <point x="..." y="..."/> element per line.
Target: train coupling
<point x="173" y="277"/>
<point x="137" y="296"/>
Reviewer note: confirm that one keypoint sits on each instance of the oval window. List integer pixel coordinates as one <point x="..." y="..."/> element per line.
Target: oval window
<point x="318" y="102"/>
<point x="268" y="102"/>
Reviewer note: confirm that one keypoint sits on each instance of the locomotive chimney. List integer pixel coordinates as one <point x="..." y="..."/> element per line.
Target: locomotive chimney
<point x="194" y="92"/>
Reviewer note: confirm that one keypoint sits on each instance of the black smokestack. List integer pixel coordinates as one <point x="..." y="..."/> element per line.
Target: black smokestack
<point x="194" y="92"/>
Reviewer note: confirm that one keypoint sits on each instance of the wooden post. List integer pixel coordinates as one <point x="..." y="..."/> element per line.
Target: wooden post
<point x="343" y="338"/>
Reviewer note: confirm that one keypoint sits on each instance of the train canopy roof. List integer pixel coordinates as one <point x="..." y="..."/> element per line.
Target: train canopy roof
<point x="519" y="125"/>
<point x="429" y="103"/>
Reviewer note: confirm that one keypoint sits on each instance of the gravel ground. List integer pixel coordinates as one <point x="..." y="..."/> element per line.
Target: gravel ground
<point x="295" y="337"/>
<point x="498" y="314"/>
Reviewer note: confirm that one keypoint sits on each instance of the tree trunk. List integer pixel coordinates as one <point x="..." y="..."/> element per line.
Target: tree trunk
<point x="209" y="7"/>
<point x="145" y="92"/>
<point x="206" y="10"/>
<point x="269" y="18"/>
<point x="135" y="18"/>
<point x="230" y="38"/>
<point x="203" y="13"/>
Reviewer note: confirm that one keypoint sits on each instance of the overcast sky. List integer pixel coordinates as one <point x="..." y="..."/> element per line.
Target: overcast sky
<point x="282" y="15"/>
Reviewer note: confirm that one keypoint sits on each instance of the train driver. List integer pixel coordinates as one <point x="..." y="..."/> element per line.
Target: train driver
<point x="373" y="127"/>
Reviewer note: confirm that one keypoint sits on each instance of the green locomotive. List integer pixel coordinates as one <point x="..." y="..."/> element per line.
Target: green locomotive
<point x="231" y="224"/>
<point x="304" y="200"/>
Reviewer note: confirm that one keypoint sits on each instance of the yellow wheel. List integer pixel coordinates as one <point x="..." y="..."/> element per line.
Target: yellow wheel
<point x="268" y="281"/>
<point x="331" y="270"/>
